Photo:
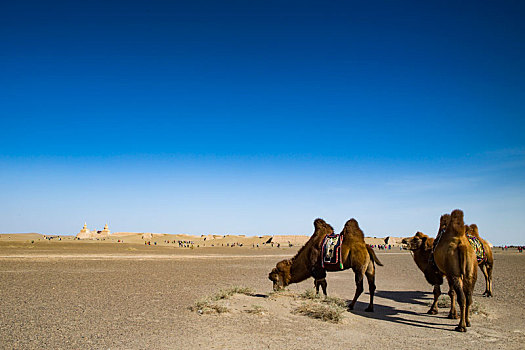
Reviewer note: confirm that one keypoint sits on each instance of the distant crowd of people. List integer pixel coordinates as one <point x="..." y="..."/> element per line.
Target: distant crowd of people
<point x="52" y="237"/>
<point x="382" y="246"/>
<point x="191" y="244"/>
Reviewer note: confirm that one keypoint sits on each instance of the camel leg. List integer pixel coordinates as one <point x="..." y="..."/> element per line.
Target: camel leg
<point x="483" y="268"/>
<point x="452" y="313"/>
<point x="319" y="276"/>
<point x="458" y="288"/>
<point x="323" y="285"/>
<point x="359" y="288"/>
<point x="320" y="283"/>
<point x="468" y="296"/>
<point x="371" y="276"/>
<point x="489" y="279"/>
<point x="434" y="308"/>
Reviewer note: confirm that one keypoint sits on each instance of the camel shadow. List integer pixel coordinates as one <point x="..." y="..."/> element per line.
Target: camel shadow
<point x="402" y="316"/>
<point x="259" y="295"/>
<point x="408" y="297"/>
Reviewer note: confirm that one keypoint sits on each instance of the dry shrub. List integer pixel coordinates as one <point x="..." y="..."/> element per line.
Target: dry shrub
<point x="256" y="310"/>
<point x="325" y="312"/>
<point x="310" y="294"/>
<point x="227" y="293"/>
<point x="208" y="305"/>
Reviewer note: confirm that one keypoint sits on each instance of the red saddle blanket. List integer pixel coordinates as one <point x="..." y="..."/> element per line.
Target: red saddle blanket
<point x="331" y="252"/>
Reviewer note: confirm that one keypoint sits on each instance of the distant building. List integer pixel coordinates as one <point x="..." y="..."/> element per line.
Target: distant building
<point x="86" y="233"/>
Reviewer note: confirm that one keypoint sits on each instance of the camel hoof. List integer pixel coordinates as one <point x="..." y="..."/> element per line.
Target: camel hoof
<point x="468" y="323"/>
<point x="369" y="309"/>
<point x="460" y="329"/>
<point x="432" y="312"/>
<point x="452" y="316"/>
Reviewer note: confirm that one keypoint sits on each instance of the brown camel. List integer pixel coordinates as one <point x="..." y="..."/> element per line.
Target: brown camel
<point x="486" y="263"/>
<point x="360" y="257"/>
<point x="355" y="254"/>
<point x="455" y="257"/>
<point x="300" y="267"/>
<point x="421" y="247"/>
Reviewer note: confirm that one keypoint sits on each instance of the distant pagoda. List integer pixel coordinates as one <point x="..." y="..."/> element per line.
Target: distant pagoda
<point x="86" y="233"/>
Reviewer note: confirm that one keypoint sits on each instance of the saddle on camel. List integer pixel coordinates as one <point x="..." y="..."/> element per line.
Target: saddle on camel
<point x="335" y="253"/>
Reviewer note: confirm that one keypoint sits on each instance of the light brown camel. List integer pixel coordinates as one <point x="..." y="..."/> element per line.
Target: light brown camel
<point x="360" y="257"/>
<point x="355" y="254"/>
<point x="421" y="247"/>
<point x="455" y="257"/>
<point x="486" y="264"/>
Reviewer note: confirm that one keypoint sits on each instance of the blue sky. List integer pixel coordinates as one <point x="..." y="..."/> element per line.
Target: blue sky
<point x="257" y="117"/>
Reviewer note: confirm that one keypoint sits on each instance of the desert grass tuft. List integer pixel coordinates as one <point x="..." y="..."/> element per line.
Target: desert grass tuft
<point x="310" y="294"/>
<point x="256" y="310"/>
<point x="209" y="305"/>
<point x="324" y="312"/>
<point x="206" y="306"/>
<point x="227" y="293"/>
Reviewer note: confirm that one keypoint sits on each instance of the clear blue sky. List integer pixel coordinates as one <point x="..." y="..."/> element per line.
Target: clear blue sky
<point x="256" y="117"/>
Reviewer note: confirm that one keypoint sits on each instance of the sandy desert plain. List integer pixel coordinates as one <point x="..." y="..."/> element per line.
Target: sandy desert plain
<point x="105" y="295"/>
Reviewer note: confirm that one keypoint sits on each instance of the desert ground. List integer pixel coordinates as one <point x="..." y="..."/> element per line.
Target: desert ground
<point x="86" y="295"/>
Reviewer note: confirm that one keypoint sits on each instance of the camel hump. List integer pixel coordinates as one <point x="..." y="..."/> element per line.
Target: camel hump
<point x="322" y="226"/>
<point x="319" y="222"/>
<point x="352" y="229"/>
<point x="421" y="234"/>
<point x="352" y="223"/>
<point x="456" y="217"/>
<point x="373" y="255"/>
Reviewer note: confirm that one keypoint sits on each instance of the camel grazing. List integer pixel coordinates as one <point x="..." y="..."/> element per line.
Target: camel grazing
<point x="455" y="257"/>
<point x="486" y="262"/>
<point x="355" y="253"/>
<point x="300" y="267"/>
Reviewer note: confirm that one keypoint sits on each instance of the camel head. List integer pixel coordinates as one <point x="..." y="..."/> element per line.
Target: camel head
<point x="415" y="242"/>
<point x="280" y="275"/>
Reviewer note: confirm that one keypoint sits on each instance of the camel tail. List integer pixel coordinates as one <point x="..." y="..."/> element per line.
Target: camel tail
<point x="373" y="255"/>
